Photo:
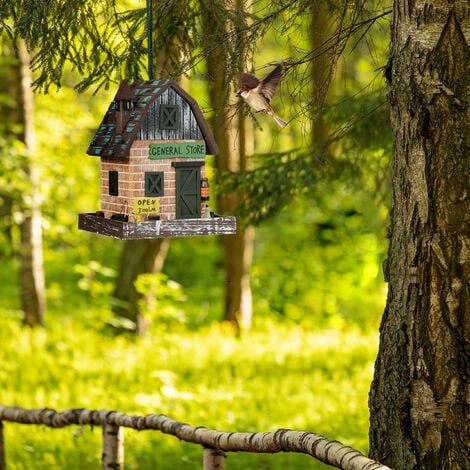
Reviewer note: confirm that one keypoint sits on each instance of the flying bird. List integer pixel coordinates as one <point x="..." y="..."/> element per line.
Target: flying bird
<point x="258" y="93"/>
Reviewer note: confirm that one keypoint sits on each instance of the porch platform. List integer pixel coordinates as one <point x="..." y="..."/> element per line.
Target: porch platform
<point x="219" y="225"/>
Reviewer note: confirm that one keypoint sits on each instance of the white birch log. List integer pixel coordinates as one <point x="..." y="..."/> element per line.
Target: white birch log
<point x="113" y="447"/>
<point x="213" y="459"/>
<point x="2" y="448"/>
<point x="283" y="440"/>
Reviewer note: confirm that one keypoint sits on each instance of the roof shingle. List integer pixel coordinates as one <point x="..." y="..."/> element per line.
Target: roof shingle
<point x="119" y="128"/>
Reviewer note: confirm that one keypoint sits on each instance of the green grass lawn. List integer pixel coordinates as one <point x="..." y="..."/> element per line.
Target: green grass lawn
<point x="277" y="375"/>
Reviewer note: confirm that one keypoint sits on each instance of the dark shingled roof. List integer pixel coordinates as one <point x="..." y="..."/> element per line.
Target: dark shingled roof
<point x="111" y="141"/>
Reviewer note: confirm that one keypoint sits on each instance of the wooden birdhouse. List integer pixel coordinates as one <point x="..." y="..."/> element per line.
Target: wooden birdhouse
<point x="152" y="144"/>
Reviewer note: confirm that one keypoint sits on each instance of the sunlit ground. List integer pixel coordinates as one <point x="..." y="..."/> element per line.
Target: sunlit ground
<point x="277" y="375"/>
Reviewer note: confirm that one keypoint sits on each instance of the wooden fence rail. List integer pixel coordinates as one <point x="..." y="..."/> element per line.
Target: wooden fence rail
<point x="214" y="443"/>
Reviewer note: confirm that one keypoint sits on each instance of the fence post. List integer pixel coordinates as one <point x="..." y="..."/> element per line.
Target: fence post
<point x="213" y="459"/>
<point x="2" y="448"/>
<point x="113" y="447"/>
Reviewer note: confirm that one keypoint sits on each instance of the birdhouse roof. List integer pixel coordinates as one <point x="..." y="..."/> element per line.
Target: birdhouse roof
<point x="125" y="92"/>
<point x="112" y="140"/>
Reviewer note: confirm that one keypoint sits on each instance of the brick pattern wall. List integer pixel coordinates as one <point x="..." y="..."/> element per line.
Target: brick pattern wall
<point x="132" y="182"/>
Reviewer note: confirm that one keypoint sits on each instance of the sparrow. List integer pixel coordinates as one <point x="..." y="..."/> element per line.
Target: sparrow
<point x="258" y="94"/>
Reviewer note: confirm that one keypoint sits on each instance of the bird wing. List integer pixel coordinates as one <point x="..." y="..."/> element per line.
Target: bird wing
<point x="248" y="81"/>
<point x="269" y="84"/>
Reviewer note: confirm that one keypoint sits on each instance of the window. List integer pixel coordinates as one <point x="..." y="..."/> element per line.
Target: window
<point x="113" y="180"/>
<point x="169" y="116"/>
<point x="153" y="183"/>
<point x="127" y="105"/>
<point x="123" y="105"/>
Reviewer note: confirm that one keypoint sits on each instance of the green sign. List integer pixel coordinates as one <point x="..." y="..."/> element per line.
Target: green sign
<point x="177" y="150"/>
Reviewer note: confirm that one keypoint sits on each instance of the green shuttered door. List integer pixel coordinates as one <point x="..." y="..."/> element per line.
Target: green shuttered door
<point x="188" y="197"/>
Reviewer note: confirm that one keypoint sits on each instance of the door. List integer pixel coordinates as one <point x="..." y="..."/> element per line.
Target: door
<point x="188" y="191"/>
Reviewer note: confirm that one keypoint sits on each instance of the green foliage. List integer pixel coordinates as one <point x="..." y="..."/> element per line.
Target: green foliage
<point x="105" y="40"/>
<point x="162" y="299"/>
<point x="69" y="178"/>
<point x="356" y="155"/>
<point x="95" y="279"/>
<point x="277" y="375"/>
<point x="317" y="264"/>
<point x="68" y="33"/>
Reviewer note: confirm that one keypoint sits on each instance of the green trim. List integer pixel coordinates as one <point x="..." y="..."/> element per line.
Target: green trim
<point x="154" y="184"/>
<point x="188" y="192"/>
<point x="170" y="116"/>
<point x="163" y="150"/>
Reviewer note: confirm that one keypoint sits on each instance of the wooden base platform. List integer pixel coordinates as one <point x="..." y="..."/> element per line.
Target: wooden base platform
<point x="220" y="225"/>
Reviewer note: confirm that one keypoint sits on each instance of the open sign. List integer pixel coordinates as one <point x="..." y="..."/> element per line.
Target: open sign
<point x="146" y="205"/>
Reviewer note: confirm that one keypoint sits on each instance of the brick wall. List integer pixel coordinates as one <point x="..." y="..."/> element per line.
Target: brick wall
<point x="132" y="182"/>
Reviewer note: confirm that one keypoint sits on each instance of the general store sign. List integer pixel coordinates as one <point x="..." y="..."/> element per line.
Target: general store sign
<point x="146" y="205"/>
<point x="177" y="150"/>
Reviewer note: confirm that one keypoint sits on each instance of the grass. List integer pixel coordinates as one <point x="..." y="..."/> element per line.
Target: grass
<point x="277" y="375"/>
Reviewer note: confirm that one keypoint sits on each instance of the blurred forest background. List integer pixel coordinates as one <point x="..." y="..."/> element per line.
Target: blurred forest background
<point x="314" y="197"/>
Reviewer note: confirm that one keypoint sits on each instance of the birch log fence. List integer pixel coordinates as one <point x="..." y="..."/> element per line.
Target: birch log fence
<point x="214" y="443"/>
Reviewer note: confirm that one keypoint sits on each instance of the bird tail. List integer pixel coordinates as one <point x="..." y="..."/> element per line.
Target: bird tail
<point x="278" y="120"/>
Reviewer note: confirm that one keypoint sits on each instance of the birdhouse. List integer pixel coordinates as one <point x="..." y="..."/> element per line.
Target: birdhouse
<point x="152" y="145"/>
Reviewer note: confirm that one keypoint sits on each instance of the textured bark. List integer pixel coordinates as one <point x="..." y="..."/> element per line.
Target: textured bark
<point x="32" y="279"/>
<point x="2" y="448"/>
<point x="113" y="447"/>
<point x="238" y="253"/>
<point x="322" y="70"/>
<point x="213" y="459"/>
<point x="283" y="440"/>
<point x="6" y="216"/>
<point x="32" y="282"/>
<point x="138" y="257"/>
<point x="419" y="399"/>
<point x="234" y="136"/>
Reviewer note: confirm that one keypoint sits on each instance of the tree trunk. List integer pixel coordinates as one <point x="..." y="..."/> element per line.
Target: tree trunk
<point x="31" y="278"/>
<point x="235" y="137"/>
<point x="419" y="400"/>
<point x="138" y="257"/>
<point x="238" y="251"/>
<point x="322" y="70"/>
<point x="112" y="455"/>
<point x="238" y="248"/>
<point x="6" y="218"/>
